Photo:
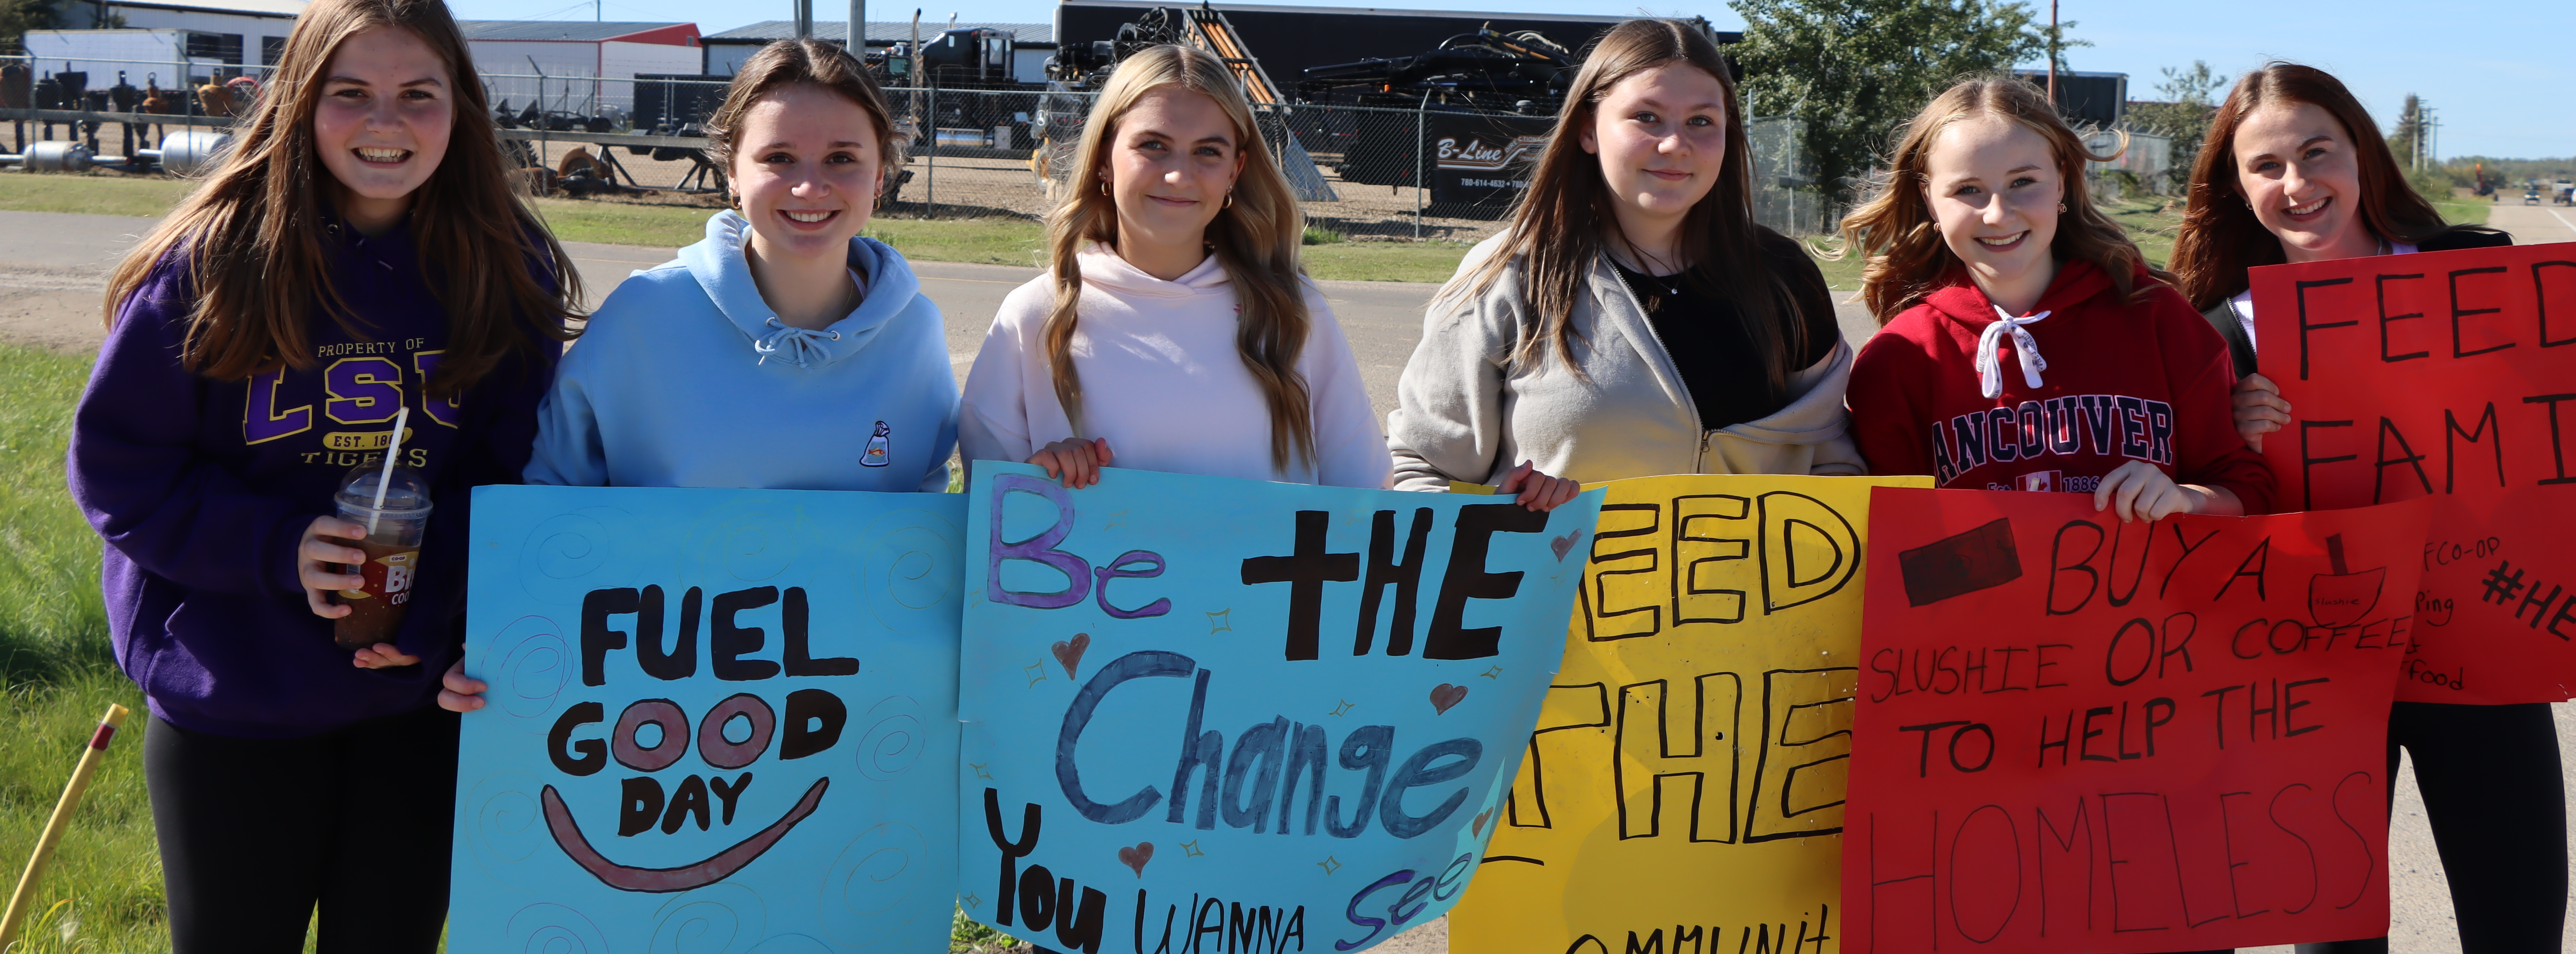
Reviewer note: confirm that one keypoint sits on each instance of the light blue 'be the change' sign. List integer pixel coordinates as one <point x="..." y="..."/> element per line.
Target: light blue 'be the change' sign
<point x="718" y="721"/>
<point x="1213" y="716"/>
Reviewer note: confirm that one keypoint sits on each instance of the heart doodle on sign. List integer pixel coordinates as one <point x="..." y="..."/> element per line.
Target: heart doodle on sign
<point x="1069" y="652"/>
<point x="1445" y="695"/>
<point x="1137" y="857"/>
<point x="1564" y="543"/>
<point x="1481" y="818"/>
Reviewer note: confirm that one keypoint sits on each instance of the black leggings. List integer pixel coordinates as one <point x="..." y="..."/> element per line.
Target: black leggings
<point x="256" y="832"/>
<point x="2498" y="807"/>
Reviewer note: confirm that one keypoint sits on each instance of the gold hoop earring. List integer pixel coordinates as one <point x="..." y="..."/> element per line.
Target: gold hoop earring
<point x="2061" y="208"/>
<point x="1104" y="188"/>
<point x="1229" y="199"/>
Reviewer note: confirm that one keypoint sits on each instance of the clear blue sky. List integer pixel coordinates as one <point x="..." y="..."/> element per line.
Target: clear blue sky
<point x="2502" y="76"/>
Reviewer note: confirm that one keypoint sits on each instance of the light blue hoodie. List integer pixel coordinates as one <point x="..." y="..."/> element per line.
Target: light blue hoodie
<point x="685" y="378"/>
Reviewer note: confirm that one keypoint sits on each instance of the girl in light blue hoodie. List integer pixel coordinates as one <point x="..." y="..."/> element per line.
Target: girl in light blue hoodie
<point x="784" y="351"/>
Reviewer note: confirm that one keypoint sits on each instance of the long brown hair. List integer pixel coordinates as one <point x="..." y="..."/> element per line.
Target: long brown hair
<point x="253" y="234"/>
<point x="1556" y="232"/>
<point x="1895" y="228"/>
<point x="2220" y="236"/>
<point x="814" y="63"/>
<point x="1255" y="238"/>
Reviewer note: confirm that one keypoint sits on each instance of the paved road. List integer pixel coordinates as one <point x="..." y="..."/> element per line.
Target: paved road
<point x="50" y="287"/>
<point x="2535" y="223"/>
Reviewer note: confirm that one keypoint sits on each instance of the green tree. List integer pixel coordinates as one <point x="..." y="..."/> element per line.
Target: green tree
<point x="2183" y="115"/>
<point x="1849" y="71"/>
<point x="2404" y="139"/>
<point x="19" y="16"/>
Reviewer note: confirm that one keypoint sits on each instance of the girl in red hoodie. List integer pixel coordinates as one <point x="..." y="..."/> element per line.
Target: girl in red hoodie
<point x="2026" y="345"/>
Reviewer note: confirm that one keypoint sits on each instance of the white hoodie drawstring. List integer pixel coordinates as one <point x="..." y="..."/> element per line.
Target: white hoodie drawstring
<point x="797" y="346"/>
<point x="1990" y="377"/>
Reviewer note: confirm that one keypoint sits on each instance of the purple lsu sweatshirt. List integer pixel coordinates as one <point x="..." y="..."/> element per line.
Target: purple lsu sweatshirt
<point x="202" y="490"/>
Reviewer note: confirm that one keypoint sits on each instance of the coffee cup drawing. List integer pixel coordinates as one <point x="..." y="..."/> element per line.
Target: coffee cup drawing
<point x="2343" y="597"/>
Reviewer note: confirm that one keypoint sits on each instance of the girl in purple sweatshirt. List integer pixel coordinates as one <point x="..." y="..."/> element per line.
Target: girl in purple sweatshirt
<point x="357" y="253"/>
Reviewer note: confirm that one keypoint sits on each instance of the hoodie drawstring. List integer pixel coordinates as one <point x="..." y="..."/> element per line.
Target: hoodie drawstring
<point x="797" y="346"/>
<point x="1990" y="377"/>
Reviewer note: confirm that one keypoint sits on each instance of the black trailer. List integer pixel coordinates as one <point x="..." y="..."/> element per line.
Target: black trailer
<point x="1291" y="40"/>
<point x="2086" y="98"/>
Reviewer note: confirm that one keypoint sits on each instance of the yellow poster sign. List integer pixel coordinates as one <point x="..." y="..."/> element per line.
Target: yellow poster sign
<point x="1683" y="788"/>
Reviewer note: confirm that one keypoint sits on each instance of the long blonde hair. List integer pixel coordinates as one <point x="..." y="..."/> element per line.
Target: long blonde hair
<point x="1556" y="231"/>
<point x="1907" y="257"/>
<point x="1255" y="238"/>
<point x="253" y="233"/>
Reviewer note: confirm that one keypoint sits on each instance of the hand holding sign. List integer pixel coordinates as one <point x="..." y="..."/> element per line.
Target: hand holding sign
<point x="1686" y="775"/>
<point x="2444" y="375"/>
<point x="1286" y="714"/>
<point x="2082" y="735"/>
<point x="707" y="710"/>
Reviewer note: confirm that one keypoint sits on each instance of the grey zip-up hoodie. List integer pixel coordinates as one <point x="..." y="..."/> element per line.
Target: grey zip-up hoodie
<point x="1465" y="412"/>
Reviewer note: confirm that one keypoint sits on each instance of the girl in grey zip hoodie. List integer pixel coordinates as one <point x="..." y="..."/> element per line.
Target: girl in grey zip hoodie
<point x="1500" y="391"/>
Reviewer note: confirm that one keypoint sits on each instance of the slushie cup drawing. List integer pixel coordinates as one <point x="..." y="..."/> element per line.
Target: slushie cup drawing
<point x="392" y="547"/>
<point x="2343" y="597"/>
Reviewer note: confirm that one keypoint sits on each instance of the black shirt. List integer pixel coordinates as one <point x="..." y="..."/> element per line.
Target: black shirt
<point x="1705" y="335"/>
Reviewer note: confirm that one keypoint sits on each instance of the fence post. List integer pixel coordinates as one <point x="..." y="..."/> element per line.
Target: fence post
<point x="930" y="182"/>
<point x="1418" y="164"/>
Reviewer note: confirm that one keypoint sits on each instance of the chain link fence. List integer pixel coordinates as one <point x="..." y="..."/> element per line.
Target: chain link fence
<point x="1434" y="172"/>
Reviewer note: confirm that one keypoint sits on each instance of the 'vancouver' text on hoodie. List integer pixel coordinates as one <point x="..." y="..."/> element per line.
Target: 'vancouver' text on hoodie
<point x="2144" y="380"/>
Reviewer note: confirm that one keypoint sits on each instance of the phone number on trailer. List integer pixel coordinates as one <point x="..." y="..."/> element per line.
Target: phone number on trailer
<point x="1495" y="183"/>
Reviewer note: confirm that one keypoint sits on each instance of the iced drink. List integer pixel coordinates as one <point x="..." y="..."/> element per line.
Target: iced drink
<point x="393" y="554"/>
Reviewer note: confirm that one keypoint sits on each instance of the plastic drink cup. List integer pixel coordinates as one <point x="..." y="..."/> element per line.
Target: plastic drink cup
<point x="392" y="547"/>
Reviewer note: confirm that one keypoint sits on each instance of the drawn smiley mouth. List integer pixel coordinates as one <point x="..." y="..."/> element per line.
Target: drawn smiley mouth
<point x="699" y="874"/>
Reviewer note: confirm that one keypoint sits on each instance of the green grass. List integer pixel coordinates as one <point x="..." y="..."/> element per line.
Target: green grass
<point x="103" y="891"/>
<point x="2152" y="224"/>
<point x="51" y="622"/>
<point x="2464" y="210"/>
<point x="98" y="193"/>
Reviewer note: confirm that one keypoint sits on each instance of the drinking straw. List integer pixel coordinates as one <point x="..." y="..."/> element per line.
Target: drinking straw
<point x="58" y="824"/>
<point x="387" y="478"/>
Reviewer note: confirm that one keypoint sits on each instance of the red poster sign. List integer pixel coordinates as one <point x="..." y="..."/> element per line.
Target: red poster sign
<point x="2079" y="736"/>
<point x="2441" y="375"/>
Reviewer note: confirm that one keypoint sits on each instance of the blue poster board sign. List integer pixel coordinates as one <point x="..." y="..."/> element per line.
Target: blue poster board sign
<point x="1220" y="715"/>
<point x="718" y="720"/>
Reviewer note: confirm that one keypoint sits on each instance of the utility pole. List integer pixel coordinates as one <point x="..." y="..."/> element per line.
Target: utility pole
<point x="2052" y="54"/>
<point x="804" y="19"/>
<point x="858" y="38"/>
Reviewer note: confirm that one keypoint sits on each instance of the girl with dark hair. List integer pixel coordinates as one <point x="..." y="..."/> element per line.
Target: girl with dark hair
<point x="1633" y="320"/>
<point x="1174" y="313"/>
<point x="2293" y="170"/>
<point x="356" y="254"/>
<point x="2027" y="345"/>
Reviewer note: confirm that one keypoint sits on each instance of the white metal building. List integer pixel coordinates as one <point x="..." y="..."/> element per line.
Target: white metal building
<point x="511" y="54"/>
<point x="232" y="33"/>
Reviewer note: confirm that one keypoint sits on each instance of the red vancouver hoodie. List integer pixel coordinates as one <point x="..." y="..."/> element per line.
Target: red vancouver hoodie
<point x="2124" y="381"/>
